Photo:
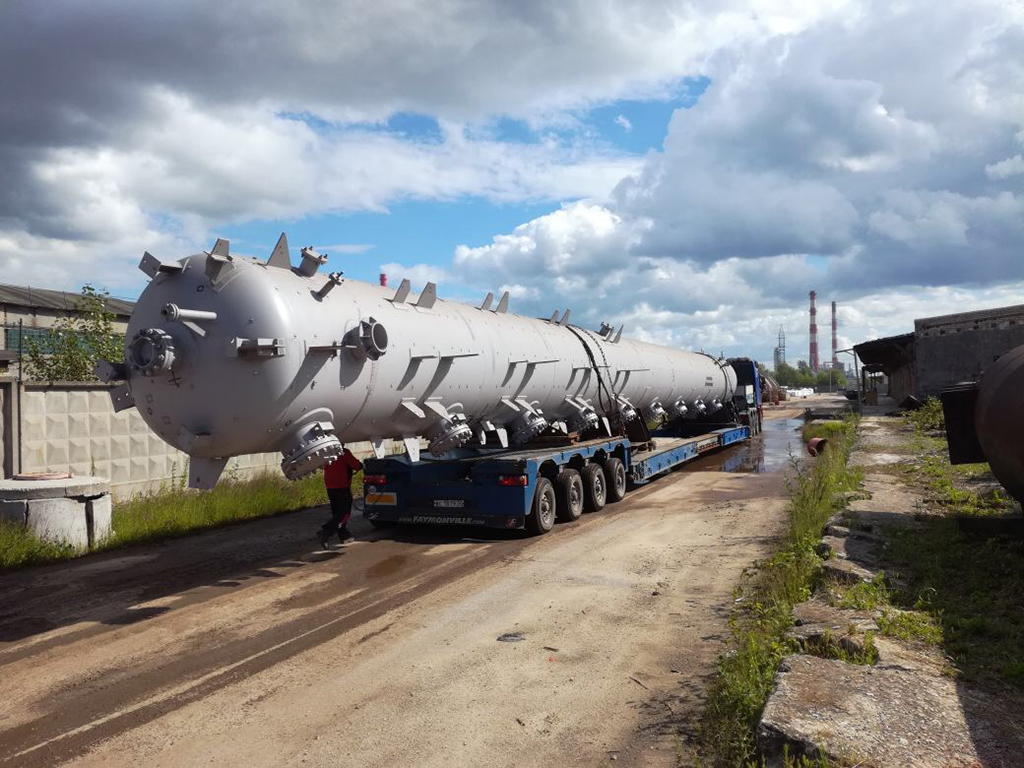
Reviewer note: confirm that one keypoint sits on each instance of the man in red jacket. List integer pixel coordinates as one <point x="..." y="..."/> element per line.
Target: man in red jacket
<point x="338" y="479"/>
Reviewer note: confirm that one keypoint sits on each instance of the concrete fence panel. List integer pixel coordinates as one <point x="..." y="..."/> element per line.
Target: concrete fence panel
<point x="72" y="427"/>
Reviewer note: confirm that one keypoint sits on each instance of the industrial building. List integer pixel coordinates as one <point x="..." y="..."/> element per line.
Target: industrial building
<point x="942" y="351"/>
<point x="27" y="313"/>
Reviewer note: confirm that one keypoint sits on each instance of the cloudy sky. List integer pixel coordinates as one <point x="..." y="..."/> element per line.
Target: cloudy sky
<point x="691" y="169"/>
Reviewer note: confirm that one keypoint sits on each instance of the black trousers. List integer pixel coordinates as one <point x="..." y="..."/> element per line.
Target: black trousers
<point x="341" y="510"/>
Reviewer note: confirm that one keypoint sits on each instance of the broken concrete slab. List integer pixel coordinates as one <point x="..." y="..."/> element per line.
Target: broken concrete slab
<point x="890" y="503"/>
<point x="847" y="571"/>
<point x="815" y="622"/>
<point x="859" y="549"/>
<point x="876" y="716"/>
<point x="911" y="657"/>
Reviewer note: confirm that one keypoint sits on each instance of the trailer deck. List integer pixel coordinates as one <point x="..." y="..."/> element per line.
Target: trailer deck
<point x="496" y="487"/>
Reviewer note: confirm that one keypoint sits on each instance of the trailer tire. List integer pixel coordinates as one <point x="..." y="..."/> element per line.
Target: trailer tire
<point x="615" y="474"/>
<point x="595" y="488"/>
<point x="542" y="515"/>
<point x="569" y="492"/>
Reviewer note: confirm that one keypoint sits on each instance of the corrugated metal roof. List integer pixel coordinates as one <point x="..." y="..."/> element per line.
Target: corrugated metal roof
<point x="43" y="298"/>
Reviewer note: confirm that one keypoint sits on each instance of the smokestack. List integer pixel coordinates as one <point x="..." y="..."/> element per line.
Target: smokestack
<point x="814" y="335"/>
<point x="835" y="338"/>
<point x="383" y="279"/>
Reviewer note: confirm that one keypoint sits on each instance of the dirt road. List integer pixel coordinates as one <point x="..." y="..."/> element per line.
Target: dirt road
<point x="247" y="646"/>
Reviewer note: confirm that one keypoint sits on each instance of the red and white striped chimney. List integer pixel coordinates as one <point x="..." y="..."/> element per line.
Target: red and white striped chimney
<point x="835" y="338"/>
<point x="814" y="335"/>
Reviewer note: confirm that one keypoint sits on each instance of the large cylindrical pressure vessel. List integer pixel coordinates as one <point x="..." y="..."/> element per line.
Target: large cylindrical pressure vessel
<point x="227" y="356"/>
<point x="999" y="420"/>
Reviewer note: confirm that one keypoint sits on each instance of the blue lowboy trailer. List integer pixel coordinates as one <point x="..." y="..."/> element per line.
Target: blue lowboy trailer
<point x="533" y="486"/>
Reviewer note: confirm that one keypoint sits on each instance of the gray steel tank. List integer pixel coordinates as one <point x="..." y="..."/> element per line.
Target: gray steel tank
<point x="227" y="356"/>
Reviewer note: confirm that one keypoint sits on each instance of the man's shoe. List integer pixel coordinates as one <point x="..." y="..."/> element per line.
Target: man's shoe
<point x="324" y="539"/>
<point x="345" y="536"/>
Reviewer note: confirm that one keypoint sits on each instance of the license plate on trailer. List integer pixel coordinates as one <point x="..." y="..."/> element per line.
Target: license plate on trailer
<point x="449" y="503"/>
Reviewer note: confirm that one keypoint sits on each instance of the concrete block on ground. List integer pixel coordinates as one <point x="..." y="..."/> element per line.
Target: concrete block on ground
<point x="882" y="716"/>
<point x="101" y="517"/>
<point x="74" y="510"/>
<point x="61" y="520"/>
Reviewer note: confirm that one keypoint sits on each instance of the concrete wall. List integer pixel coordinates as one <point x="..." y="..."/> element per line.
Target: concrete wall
<point x="72" y="427"/>
<point x="955" y="348"/>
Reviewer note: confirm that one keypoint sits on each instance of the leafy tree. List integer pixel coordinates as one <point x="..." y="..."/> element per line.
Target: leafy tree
<point x="788" y="376"/>
<point x="836" y="378"/>
<point x="74" y="344"/>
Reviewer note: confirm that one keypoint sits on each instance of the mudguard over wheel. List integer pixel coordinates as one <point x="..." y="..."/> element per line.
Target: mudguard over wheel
<point x="569" y="493"/>
<point x="595" y="488"/>
<point x="615" y="475"/>
<point x="542" y="517"/>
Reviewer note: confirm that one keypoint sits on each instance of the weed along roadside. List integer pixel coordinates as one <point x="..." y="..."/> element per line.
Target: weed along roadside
<point x="894" y="640"/>
<point x="175" y="511"/>
<point x="765" y="600"/>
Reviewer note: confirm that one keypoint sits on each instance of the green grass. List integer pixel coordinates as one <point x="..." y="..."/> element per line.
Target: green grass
<point x="827" y="429"/>
<point x="968" y="589"/>
<point x="972" y="587"/>
<point x="910" y="625"/>
<point x="175" y="511"/>
<point x="862" y="596"/>
<point x="947" y="485"/>
<point x="765" y="599"/>
<point x="19" y="547"/>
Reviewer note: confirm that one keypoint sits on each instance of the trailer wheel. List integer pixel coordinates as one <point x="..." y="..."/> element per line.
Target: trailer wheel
<point x="569" y="492"/>
<point x="595" y="488"/>
<point x="542" y="516"/>
<point x="615" y="474"/>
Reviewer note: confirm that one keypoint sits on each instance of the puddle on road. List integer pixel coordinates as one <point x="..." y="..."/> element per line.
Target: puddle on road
<point x="767" y="452"/>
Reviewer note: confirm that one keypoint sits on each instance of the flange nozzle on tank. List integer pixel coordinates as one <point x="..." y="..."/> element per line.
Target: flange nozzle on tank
<point x="151" y="352"/>
<point x="310" y="447"/>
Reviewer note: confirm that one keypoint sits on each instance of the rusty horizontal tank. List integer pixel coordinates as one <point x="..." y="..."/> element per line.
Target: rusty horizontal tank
<point x="985" y="420"/>
<point x="227" y="356"/>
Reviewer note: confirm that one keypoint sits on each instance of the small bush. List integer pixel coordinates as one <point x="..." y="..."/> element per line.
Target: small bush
<point x="928" y="417"/>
